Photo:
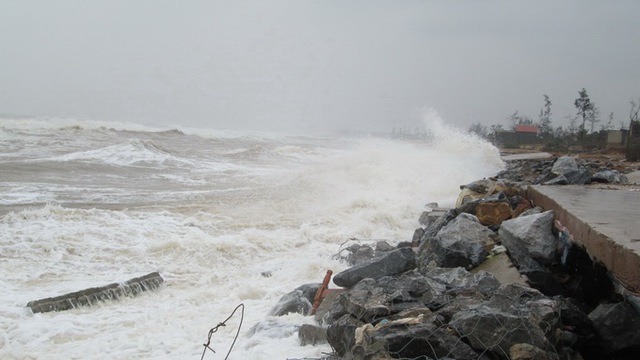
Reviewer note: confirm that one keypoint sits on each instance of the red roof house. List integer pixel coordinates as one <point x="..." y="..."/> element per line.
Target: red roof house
<point x="526" y="129"/>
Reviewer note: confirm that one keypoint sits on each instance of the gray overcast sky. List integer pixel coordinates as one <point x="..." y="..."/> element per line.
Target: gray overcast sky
<point x="315" y="65"/>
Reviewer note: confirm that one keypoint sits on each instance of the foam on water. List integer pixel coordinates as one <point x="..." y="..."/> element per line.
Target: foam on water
<point x="287" y="219"/>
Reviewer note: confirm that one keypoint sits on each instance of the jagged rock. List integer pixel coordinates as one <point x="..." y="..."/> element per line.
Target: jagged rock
<point x="374" y="299"/>
<point x="573" y="317"/>
<point x="454" y="305"/>
<point x="330" y="309"/>
<point x="341" y="334"/>
<point x="366" y="301"/>
<point x="530" y="237"/>
<point x="557" y="180"/>
<point x="493" y="213"/>
<point x="298" y="301"/>
<point x="460" y="281"/>
<point x="532" y="211"/>
<point x="618" y="325"/>
<point x="512" y="317"/>
<point x="419" y="338"/>
<point x="479" y="186"/>
<point x="312" y="335"/>
<point x="391" y="263"/>
<point x="568" y="172"/>
<point x="383" y="246"/>
<point x="564" y="164"/>
<point x="417" y="235"/>
<point x="431" y="230"/>
<point x="462" y="242"/>
<point x="358" y="254"/>
<point x="609" y="177"/>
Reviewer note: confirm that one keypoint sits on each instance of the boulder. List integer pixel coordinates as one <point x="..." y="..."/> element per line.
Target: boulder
<point x="479" y="186"/>
<point x="564" y="164"/>
<point x="493" y="213"/>
<point x="341" y="334"/>
<point x="420" y="338"/>
<point x="462" y="242"/>
<point x="569" y="172"/>
<point x="431" y="230"/>
<point x="515" y="315"/>
<point x="618" y="325"/>
<point x="530" y="237"/>
<point x="298" y="301"/>
<point x="330" y="309"/>
<point x="371" y="300"/>
<point x="609" y="177"/>
<point x="460" y="281"/>
<point x="417" y="235"/>
<point x="391" y="263"/>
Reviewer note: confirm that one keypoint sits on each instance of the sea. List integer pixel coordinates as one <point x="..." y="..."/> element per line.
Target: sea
<point x="226" y="218"/>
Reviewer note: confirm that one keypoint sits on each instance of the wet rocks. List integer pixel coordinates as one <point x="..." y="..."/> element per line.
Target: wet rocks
<point x="441" y="303"/>
<point x="393" y="262"/>
<point x="565" y="170"/>
<point x="297" y="301"/>
<point x="609" y="177"/>
<point x="530" y="237"/>
<point x="462" y="242"/>
<point x="618" y="325"/>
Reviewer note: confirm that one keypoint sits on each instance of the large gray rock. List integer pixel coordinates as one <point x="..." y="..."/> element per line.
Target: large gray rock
<point x="515" y="315"/>
<point x="530" y="237"/>
<point x="298" y="301"/>
<point x="341" y="334"/>
<point x="609" y="177"/>
<point x="427" y="338"/>
<point x="462" y="242"/>
<point x="435" y="226"/>
<point x="391" y="263"/>
<point x="371" y="300"/>
<point x="618" y="325"/>
<point x="460" y="281"/>
<point x="568" y="173"/>
<point x="564" y="165"/>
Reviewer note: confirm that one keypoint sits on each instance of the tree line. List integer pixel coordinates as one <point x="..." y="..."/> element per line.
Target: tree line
<point x="581" y="126"/>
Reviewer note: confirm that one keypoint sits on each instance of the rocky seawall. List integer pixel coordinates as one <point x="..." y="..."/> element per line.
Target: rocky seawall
<point x="493" y="278"/>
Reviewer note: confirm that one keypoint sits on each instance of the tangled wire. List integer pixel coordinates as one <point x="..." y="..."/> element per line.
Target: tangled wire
<point x="224" y="323"/>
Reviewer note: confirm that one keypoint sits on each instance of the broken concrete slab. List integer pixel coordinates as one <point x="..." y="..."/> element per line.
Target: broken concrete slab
<point x="91" y="296"/>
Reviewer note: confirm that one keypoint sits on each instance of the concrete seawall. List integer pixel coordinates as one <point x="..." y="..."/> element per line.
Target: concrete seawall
<point x="606" y="223"/>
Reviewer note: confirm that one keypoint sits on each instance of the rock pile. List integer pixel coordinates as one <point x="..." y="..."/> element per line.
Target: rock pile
<point x="489" y="279"/>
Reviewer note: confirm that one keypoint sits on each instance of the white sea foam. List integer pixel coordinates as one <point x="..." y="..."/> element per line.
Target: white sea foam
<point x="284" y="210"/>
